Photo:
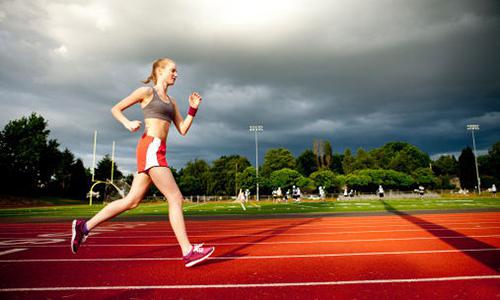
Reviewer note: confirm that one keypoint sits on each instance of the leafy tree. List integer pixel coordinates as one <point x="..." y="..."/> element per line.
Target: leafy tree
<point x="103" y="170"/>
<point x="348" y="161"/>
<point x="363" y="160"/>
<point x="328" y="157"/>
<point x="358" y="182"/>
<point x="467" y="169"/>
<point x="195" y="177"/>
<point x="409" y="159"/>
<point x="390" y="179"/>
<point x="445" y="165"/>
<point x="247" y="180"/>
<point x="65" y="161"/>
<point x="306" y="184"/>
<point x="50" y="166"/>
<point x="190" y="185"/>
<point x="336" y="165"/>
<point x="79" y="183"/>
<point x="341" y="179"/>
<point x="444" y="182"/>
<point x="425" y="177"/>
<point x="325" y="178"/>
<point x="284" y="178"/>
<point x="489" y="165"/>
<point x="306" y="163"/>
<point x="277" y="159"/>
<point x="223" y="173"/>
<point x="400" y="156"/>
<point x="24" y="149"/>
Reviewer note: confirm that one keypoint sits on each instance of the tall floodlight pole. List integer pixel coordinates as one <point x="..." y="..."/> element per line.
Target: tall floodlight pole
<point x="93" y="155"/>
<point x="256" y="129"/>
<point x="472" y="128"/>
<point x="113" y="161"/>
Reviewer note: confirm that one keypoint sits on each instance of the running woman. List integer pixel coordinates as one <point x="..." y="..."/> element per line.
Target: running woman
<point x="160" y="111"/>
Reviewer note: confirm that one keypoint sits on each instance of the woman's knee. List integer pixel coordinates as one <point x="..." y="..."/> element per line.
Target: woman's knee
<point x="175" y="200"/>
<point x="132" y="202"/>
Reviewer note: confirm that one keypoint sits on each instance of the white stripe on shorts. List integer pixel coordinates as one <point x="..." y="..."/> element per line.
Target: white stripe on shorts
<point x="151" y="158"/>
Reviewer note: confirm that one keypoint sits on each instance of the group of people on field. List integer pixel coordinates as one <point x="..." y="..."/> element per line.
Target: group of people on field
<point x="277" y="194"/>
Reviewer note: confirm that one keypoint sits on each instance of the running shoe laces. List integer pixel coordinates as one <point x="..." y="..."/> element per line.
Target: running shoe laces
<point x="198" y="248"/>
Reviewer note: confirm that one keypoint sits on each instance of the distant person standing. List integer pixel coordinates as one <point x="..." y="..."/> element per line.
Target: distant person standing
<point x="295" y="193"/>
<point x="321" y="193"/>
<point x="287" y="195"/>
<point x="380" y="191"/>
<point x="279" y="194"/>
<point x="345" y="192"/>
<point x="421" y="191"/>
<point x="494" y="190"/>
<point x="247" y="195"/>
<point x="275" y="195"/>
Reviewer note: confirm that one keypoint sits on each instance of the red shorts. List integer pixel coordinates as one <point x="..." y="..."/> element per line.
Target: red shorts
<point x="150" y="153"/>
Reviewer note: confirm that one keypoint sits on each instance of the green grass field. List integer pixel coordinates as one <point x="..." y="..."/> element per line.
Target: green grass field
<point x="253" y="208"/>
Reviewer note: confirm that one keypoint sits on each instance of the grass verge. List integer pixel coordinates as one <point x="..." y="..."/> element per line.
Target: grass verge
<point x="254" y="208"/>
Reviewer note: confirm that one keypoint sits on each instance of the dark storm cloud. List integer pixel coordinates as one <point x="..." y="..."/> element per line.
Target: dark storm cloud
<point x="359" y="73"/>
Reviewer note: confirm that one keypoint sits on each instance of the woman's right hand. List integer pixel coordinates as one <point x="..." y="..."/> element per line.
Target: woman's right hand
<point x="133" y="126"/>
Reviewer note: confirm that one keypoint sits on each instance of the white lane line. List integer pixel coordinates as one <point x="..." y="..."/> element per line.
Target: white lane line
<point x="252" y="285"/>
<point x="275" y="243"/>
<point x="166" y="227"/>
<point x="322" y="223"/>
<point x="12" y="251"/>
<point x="257" y="226"/>
<point x="303" y="234"/>
<point x="322" y="255"/>
<point x="302" y="227"/>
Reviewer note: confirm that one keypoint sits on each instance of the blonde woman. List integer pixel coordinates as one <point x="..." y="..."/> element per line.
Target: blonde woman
<point x="160" y="111"/>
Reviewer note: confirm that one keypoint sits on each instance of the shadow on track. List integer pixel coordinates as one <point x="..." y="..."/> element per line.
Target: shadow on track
<point x="453" y="238"/>
<point x="237" y="252"/>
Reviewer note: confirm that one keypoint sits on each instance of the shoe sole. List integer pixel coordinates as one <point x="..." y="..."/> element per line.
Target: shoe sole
<point x="194" y="262"/>
<point x="73" y="235"/>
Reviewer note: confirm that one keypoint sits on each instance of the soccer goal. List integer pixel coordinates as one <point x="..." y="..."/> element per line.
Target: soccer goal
<point x="113" y="188"/>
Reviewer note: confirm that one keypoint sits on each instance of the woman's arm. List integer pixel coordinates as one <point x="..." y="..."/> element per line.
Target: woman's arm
<point x="182" y="124"/>
<point x="136" y="96"/>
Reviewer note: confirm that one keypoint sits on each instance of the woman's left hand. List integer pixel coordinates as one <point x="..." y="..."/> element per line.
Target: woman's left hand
<point x="194" y="100"/>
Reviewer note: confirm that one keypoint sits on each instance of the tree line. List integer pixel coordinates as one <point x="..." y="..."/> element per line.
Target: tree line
<point x="33" y="164"/>
<point x="396" y="165"/>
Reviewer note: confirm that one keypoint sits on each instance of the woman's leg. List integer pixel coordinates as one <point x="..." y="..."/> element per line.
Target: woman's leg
<point x="165" y="182"/>
<point x="140" y="185"/>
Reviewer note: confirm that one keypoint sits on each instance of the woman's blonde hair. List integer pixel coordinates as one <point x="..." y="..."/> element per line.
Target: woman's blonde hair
<point x="157" y="64"/>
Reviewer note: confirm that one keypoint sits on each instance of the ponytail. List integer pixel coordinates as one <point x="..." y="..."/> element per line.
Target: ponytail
<point x="150" y="78"/>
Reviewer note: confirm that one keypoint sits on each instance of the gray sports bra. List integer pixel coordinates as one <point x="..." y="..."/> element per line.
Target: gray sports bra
<point x="159" y="109"/>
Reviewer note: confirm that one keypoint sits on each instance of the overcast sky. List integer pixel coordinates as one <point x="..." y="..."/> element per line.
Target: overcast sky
<point x="356" y="73"/>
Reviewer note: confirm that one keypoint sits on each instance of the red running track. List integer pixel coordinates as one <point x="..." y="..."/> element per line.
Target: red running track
<point x="400" y="256"/>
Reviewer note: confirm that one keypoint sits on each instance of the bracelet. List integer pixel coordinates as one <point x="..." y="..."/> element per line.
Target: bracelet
<point x="192" y="111"/>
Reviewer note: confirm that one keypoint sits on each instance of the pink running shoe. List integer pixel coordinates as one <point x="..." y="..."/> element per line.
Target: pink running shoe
<point x="197" y="254"/>
<point x="77" y="235"/>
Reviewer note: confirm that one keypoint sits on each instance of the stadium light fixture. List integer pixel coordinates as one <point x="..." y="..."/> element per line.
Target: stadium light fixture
<point x="472" y="128"/>
<point x="256" y="129"/>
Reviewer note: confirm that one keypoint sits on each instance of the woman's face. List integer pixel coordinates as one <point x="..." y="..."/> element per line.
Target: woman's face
<point x="168" y="74"/>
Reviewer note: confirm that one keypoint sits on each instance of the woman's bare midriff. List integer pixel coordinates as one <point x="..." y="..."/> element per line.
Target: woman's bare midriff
<point x="157" y="128"/>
